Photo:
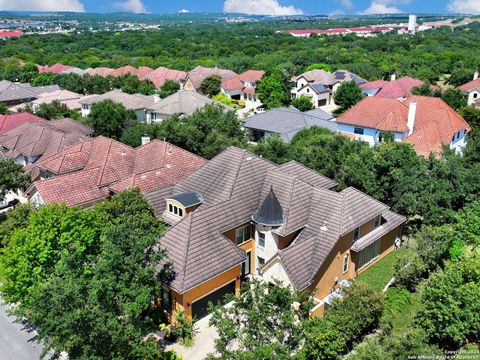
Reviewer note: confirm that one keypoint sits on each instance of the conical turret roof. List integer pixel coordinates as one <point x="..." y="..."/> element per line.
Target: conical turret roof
<point x="270" y="213"/>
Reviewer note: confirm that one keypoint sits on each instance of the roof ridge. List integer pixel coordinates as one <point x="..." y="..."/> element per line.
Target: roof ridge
<point x="187" y="247"/>
<point x="105" y="162"/>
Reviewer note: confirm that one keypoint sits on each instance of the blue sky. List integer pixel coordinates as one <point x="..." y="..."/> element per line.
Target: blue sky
<point x="267" y="7"/>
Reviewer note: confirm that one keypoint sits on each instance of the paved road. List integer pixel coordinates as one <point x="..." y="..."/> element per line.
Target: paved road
<point x="17" y="342"/>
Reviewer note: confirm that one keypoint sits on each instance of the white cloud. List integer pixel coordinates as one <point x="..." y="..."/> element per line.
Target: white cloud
<point x="259" y="7"/>
<point x="381" y="7"/>
<point x="42" y="5"/>
<point x="184" y="11"/>
<point x="134" y="6"/>
<point x="346" y="3"/>
<point x="465" y="6"/>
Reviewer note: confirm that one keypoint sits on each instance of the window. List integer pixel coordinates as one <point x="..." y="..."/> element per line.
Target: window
<point x="458" y="135"/>
<point x="175" y="210"/>
<point x="378" y="221"/>
<point x="356" y="234"/>
<point x="242" y="235"/>
<point x="153" y="116"/>
<point x="247" y="264"/>
<point x="180" y="212"/>
<point x="368" y="254"/>
<point x="260" y="262"/>
<point x="475" y="95"/>
<point x="261" y="240"/>
<point x="358" y="131"/>
<point x="453" y="138"/>
<point x="170" y="208"/>
<point x="166" y="300"/>
<point x="345" y="263"/>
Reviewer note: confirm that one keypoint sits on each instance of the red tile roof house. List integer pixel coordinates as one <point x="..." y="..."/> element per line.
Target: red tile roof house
<point x="428" y="123"/>
<point x="55" y="69"/>
<point x="160" y="75"/>
<point x="472" y="89"/>
<point x="8" y="122"/>
<point x="196" y="76"/>
<point x="393" y="89"/>
<point x="8" y="34"/>
<point x="243" y="85"/>
<point x="94" y="169"/>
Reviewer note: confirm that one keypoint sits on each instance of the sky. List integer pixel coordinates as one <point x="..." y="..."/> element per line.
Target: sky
<point x="260" y="7"/>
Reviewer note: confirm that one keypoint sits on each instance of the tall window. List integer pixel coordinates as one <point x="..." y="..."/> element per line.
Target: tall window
<point x="345" y="263"/>
<point x="261" y="240"/>
<point x="175" y="210"/>
<point x="242" y="235"/>
<point x="368" y="254"/>
<point x="260" y="262"/>
<point x="356" y="234"/>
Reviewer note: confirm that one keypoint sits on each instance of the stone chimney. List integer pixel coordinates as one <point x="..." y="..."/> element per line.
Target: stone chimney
<point x="412" y="112"/>
<point x="393" y="77"/>
<point x="145" y="139"/>
<point x="475" y="75"/>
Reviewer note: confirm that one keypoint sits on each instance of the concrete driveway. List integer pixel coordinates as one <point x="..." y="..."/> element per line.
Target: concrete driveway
<point x="17" y="341"/>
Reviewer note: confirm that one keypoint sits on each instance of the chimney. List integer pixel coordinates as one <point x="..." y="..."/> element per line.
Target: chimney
<point x="475" y="75"/>
<point x="412" y="110"/>
<point x="145" y="139"/>
<point x="156" y="98"/>
<point x="393" y="77"/>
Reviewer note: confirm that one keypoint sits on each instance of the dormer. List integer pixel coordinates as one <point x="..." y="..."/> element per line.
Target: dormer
<point x="181" y="204"/>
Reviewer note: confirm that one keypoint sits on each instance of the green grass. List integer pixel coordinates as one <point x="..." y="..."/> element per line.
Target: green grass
<point x="380" y="274"/>
<point x="400" y="307"/>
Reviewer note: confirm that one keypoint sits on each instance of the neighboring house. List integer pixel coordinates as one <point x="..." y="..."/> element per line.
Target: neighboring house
<point x="162" y="74"/>
<point x="394" y="89"/>
<point x="94" y="169"/>
<point x="8" y="122"/>
<point x="286" y="122"/>
<point x="14" y="93"/>
<point x="196" y="76"/>
<point x="183" y="102"/>
<point x="240" y="215"/>
<point x="100" y="71"/>
<point x="141" y="72"/>
<point x="472" y="89"/>
<point x="9" y="34"/>
<point x="66" y="97"/>
<point x="136" y="102"/>
<point x="428" y="123"/>
<point x="320" y="85"/>
<point x="55" y="69"/>
<point x="242" y="86"/>
<point x="27" y="142"/>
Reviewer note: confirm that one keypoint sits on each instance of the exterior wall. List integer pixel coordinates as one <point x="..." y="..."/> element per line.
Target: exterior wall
<point x="460" y="141"/>
<point x="25" y="160"/>
<point x="141" y="115"/>
<point x="188" y="85"/>
<point x="85" y="110"/>
<point x="271" y="244"/>
<point x="473" y="95"/>
<point x="275" y="271"/>
<point x="285" y="241"/>
<point x="315" y="98"/>
<point x="371" y="136"/>
<point x="246" y="246"/>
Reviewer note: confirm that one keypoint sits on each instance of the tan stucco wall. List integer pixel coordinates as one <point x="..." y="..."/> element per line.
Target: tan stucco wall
<point x="188" y="85"/>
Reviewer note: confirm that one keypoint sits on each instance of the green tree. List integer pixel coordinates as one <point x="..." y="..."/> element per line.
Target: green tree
<point x="472" y="117"/>
<point x="347" y="95"/>
<point x="323" y="341"/>
<point x="133" y="135"/>
<point x="168" y="88"/>
<point x="274" y="90"/>
<point x="43" y="79"/>
<point x="56" y="110"/>
<point x="321" y="66"/>
<point x="4" y="109"/>
<point x="12" y="177"/>
<point x="303" y="103"/>
<point x="211" y="85"/>
<point x="16" y="218"/>
<point x="110" y="119"/>
<point x="274" y="149"/>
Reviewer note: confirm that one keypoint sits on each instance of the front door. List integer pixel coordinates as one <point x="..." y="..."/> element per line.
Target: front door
<point x="247" y="264"/>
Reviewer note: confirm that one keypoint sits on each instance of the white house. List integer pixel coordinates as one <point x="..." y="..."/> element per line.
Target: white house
<point x="472" y="89"/>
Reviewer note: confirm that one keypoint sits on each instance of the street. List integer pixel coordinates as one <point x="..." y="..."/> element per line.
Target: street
<point x="17" y="342"/>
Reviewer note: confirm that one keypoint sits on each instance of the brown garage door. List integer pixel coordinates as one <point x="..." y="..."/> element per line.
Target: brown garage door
<point x="200" y="307"/>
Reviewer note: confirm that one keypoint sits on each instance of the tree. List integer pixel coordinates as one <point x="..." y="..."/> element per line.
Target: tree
<point x="133" y="135"/>
<point x="274" y="90"/>
<point x="472" y="117"/>
<point x="451" y="306"/>
<point x="321" y="66"/>
<point x="56" y="110"/>
<point x="110" y="119"/>
<point x="168" y="88"/>
<point x="16" y="218"/>
<point x="211" y="85"/>
<point x="262" y="315"/>
<point x="43" y="79"/>
<point x="347" y="95"/>
<point x="4" y="109"/>
<point x="303" y="103"/>
<point x="12" y="177"/>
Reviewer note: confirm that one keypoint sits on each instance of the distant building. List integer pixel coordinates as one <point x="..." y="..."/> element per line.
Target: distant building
<point x="162" y="74"/>
<point x="14" y="93"/>
<point x="394" y="89"/>
<point x="196" y="76"/>
<point x="412" y="24"/>
<point x="9" y="34"/>
<point x="242" y="87"/>
<point x="472" y="89"/>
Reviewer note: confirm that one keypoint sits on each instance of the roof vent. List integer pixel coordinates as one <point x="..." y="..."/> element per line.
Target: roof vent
<point x="249" y="158"/>
<point x="270" y="213"/>
<point x="123" y="153"/>
<point x="324" y="226"/>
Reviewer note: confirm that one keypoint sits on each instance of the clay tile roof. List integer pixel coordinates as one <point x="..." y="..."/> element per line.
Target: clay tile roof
<point x="474" y="84"/>
<point x="101" y="165"/>
<point x="161" y="74"/>
<point x="124" y="70"/>
<point x="101" y="71"/>
<point x="7" y="34"/>
<point x="377" y="113"/>
<point x="317" y="76"/>
<point x="400" y="88"/>
<point x="8" y="122"/>
<point x="252" y="75"/>
<point x="200" y="73"/>
<point x="129" y="101"/>
<point x="143" y="72"/>
<point x="56" y="68"/>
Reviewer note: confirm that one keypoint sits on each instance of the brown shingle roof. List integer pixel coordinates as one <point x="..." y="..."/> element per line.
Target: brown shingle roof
<point x="200" y="73"/>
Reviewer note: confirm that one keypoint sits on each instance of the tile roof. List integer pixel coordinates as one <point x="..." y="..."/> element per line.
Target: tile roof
<point x="10" y="91"/>
<point x="474" y="84"/>
<point x="161" y="74"/>
<point x="183" y="102"/>
<point x="400" y="88"/>
<point x="8" y="34"/>
<point x="8" y="122"/>
<point x="129" y="101"/>
<point x="101" y="71"/>
<point x="234" y="185"/>
<point x="288" y="121"/>
<point x="317" y="76"/>
<point x="41" y="138"/>
<point x="200" y="73"/>
<point x="99" y="166"/>
<point x="237" y="82"/>
<point x="55" y="69"/>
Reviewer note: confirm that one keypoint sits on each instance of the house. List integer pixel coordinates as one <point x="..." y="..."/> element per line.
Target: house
<point x="141" y="72"/>
<point x="242" y="86"/>
<point x="8" y="122"/>
<point x="393" y="89"/>
<point x="240" y="215"/>
<point x="183" y="102"/>
<point x="100" y="71"/>
<point x="428" y="123"/>
<point x="196" y="76"/>
<point x="320" y="85"/>
<point x="286" y="122"/>
<point x="54" y="69"/>
<point x="94" y="169"/>
<point x="162" y="74"/>
<point x="9" y="34"/>
<point x="27" y="142"/>
<point x="14" y="93"/>
<point x="472" y="89"/>
<point x="69" y="98"/>
<point x="136" y="102"/>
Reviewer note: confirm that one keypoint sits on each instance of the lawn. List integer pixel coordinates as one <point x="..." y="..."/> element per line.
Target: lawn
<point x="380" y="274"/>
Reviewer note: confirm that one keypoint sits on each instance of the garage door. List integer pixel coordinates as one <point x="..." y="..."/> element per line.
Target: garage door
<point x="200" y="307"/>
